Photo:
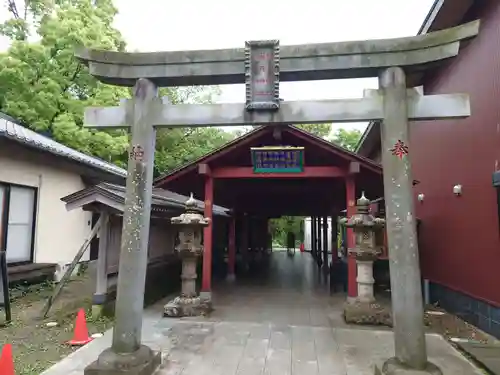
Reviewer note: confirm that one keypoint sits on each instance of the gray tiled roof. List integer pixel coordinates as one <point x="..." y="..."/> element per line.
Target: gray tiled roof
<point x="16" y="132"/>
<point x="162" y="197"/>
<point x="219" y="210"/>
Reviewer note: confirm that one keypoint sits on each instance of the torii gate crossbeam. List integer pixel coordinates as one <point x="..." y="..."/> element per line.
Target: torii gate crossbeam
<point x="261" y="65"/>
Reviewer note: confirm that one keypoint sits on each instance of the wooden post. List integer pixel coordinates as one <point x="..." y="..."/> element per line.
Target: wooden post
<point x="244" y="241"/>
<point x="316" y="237"/>
<point x="319" y="237"/>
<point x="263" y="234"/>
<point x="206" y="285"/>
<point x="101" y="287"/>
<point x="71" y="268"/>
<point x="334" y="240"/>
<point x="352" y="287"/>
<point x="231" y="250"/>
<point x="313" y="236"/>
<point x="406" y="296"/>
<point x="325" y="245"/>
<point x="4" y="289"/>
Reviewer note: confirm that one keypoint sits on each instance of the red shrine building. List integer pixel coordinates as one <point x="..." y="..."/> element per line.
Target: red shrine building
<point x="456" y="163"/>
<point x="317" y="179"/>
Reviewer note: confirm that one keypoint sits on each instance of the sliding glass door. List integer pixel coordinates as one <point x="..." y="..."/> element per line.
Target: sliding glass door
<point x="17" y="208"/>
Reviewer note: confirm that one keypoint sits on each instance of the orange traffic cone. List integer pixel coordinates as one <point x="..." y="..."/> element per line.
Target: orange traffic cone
<point x="6" y="361"/>
<point x="81" y="334"/>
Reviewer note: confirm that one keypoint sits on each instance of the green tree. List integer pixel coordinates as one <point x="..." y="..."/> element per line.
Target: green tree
<point x="42" y="84"/>
<point x="176" y="147"/>
<point x="284" y="224"/>
<point x="319" y="130"/>
<point x="347" y="138"/>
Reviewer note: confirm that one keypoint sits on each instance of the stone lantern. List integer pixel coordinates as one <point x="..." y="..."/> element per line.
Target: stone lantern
<point x="364" y="309"/>
<point x="366" y="251"/>
<point x="190" y="224"/>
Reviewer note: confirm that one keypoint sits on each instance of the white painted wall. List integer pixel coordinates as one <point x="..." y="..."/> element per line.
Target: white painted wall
<point x="58" y="233"/>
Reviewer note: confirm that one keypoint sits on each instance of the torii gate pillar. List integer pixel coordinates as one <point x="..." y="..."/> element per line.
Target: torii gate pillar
<point x="126" y="350"/>
<point x="406" y="293"/>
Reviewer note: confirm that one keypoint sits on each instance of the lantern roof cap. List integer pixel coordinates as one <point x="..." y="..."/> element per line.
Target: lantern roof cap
<point x="191" y="202"/>
<point x="363" y="201"/>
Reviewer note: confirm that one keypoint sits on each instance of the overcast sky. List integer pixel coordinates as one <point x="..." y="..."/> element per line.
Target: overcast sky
<point x="156" y="25"/>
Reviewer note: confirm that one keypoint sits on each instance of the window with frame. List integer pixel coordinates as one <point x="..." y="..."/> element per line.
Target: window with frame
<point x="17" y="222"/>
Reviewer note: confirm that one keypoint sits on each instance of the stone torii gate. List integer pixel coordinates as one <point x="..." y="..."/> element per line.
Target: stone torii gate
<point x="398" y="63"/>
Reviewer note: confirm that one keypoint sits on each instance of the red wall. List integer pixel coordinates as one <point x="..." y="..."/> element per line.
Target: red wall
<point x="460" y="237"/>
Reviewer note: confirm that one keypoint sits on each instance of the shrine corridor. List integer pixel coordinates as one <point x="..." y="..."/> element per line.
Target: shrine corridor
<point x="284" y="290"/>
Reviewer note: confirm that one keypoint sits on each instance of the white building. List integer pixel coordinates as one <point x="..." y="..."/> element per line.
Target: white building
<point x="36" y="230"/>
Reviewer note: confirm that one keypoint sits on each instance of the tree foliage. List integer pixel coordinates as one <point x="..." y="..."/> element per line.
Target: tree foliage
<point x="319" y="130"/>
<point x="281" y="226"/>
<point x="44" y="86"/>
<point x="347" y="138"/>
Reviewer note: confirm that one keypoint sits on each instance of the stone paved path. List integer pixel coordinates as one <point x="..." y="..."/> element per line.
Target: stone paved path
<point x="283" y="321"/>
<point x="288" y="290"/>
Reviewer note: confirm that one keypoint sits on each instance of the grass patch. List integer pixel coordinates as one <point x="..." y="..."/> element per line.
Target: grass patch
<point x="35" y="346"/>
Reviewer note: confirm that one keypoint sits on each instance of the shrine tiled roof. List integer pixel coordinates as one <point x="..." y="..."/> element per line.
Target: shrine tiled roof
<point x="162" y="200"/>
<point x="166" y="197"/>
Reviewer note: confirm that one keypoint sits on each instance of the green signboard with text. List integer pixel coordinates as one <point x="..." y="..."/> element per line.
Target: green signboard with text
<point x="278" y="159"/>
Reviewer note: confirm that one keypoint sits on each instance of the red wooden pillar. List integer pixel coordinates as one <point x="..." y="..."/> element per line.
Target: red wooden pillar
<point x="231" y="250"/>
<point x="350" y="187"/>
<point x="206" y="285"/>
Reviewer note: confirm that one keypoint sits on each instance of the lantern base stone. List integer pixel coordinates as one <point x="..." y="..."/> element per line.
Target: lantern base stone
<point x="393" y="367"/>
<point x="367" y="313"/>
<point x="187" y="306"/>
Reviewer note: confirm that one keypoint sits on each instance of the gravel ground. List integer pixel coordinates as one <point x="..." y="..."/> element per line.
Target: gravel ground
<point x="451" y="326"/>
<point x="36" y="346"/>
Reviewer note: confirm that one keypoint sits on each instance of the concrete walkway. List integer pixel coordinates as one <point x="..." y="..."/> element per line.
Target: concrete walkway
<point x="282" y="321"/>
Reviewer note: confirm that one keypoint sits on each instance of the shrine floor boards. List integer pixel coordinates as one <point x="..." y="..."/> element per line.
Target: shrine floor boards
<point x="282" y="322"/>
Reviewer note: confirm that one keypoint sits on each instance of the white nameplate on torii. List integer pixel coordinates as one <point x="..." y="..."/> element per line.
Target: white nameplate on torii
<point x="420" y="107"/>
